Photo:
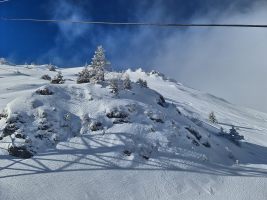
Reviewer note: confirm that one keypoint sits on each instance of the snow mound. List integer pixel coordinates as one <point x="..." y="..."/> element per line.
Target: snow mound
<point x="140" y="121"/>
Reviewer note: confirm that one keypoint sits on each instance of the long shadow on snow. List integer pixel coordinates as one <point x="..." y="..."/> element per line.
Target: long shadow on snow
<point x="96" y="153"/>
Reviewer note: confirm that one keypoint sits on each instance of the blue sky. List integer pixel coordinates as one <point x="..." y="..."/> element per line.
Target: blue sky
<point x="229" y="63"/>
<point x="32" y="42"/>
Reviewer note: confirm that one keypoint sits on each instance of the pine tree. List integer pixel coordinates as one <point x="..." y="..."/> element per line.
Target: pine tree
<point x="127" y="83"/>
<point x="51" y="68"/>
<point x="114" y="86"/>
<point x="212" y="118"/>
<point x="95" y="72"/>
<point x="142" y="83"/>
<point x="58" y="79"/>
<point x="233" y="131"/>
<point x="99" y="60"/>
<point x="99" y="64"/>
<point x="84" y="76"/>
<point x="46" y="77"/>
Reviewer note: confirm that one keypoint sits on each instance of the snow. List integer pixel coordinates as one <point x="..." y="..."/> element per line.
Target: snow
<point x="89" y="143"/>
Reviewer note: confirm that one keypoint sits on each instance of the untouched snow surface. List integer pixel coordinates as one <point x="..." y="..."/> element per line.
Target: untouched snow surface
<point x="89" y="143"/>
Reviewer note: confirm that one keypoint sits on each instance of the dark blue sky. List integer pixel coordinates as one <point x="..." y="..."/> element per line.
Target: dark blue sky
<point x="74" y="44"/>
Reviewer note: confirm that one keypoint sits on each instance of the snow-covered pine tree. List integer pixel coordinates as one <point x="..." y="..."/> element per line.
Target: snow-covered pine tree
<point x="233" y="131"/>
<point x="58" y="79"/>
<point x="99" y="60"/>
<point x="97" y="75"/>
<point x="99" y="64"/>
<point x="51" y="67"/>
<point x="46" y="77"/>
<point x="114" y="86"/>
<point x="127" y="83"/>
<point x="212" y="118"/>
<point x="142" y="83"/>
<point x="84" y="76"/>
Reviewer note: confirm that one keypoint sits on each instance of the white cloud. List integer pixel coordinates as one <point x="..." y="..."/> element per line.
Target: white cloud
<point x="66" y="10"/>
<point x="230" y="63"/>
<point x="4" y="1"/>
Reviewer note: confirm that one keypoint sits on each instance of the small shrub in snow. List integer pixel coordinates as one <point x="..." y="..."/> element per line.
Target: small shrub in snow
<point x="98" y="76"/>
<point x="145" y="151"/>
<point x="114" y="86"/>
<point x="3" y="115"/>
<point x="234" y="135"/>
<point x="127" y="83"/>
<point x="58" y="79"/>
<point x="51" y="68"/>
<point x="20" y="152"/>
<point x="46" y="77"/>
<point x="155" y="117"/>
<point x="233" y="132"/>
<point x="84" y="76"/>
<point x="131" y="107"/>
<point x="194" y="132"/>
<point x="212" y="118"/>
<point x="9" y="129"/>
<point x="20" y="136"/>
<point x="120" y="121"/>
<point x="161" y="101"/>
<point x="194" y="142"/>
<point x="117" y="114"/>
<point x="142" y="83"/>
<point x="127" y="152"/>
<point x="44" y="91"/>
<point x="95" y="126"/>
<point x="206" y="144"/>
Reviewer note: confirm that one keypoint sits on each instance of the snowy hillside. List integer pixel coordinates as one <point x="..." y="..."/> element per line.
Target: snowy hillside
<point x="85" y="141"/>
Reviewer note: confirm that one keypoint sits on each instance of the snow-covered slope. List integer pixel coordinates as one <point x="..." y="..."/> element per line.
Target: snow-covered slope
<point x="88" y="143"/>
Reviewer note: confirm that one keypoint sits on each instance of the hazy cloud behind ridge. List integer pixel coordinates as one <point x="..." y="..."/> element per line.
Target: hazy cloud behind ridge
<point x="228" y="62"/>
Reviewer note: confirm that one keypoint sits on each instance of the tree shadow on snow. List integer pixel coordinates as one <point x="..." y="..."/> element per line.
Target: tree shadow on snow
<point x="96" y="153"/>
